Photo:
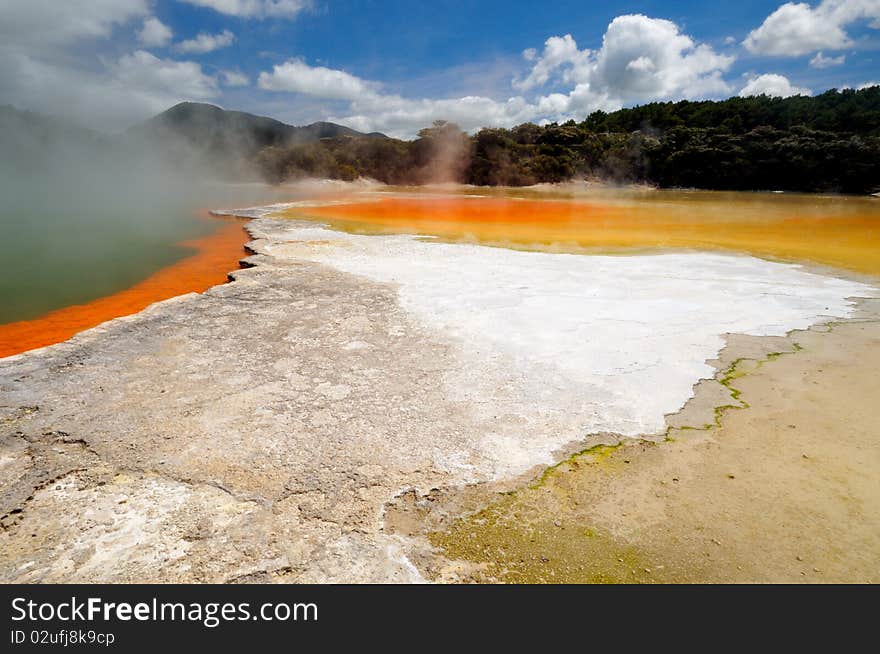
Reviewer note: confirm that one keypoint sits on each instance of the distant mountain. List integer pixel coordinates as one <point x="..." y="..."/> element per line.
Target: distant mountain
<point x="192" y="136"/>
<point x="218" y="132"/>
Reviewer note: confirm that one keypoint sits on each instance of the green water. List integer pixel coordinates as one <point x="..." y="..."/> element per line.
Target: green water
<point x="74" y="242"/>
<point x="55" y="258"/>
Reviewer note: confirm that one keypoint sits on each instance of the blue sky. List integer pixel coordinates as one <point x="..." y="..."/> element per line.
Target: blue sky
<point x="395" y="66"/>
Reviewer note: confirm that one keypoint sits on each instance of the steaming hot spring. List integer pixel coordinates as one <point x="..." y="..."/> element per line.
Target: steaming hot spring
<point x="387" y="356"/>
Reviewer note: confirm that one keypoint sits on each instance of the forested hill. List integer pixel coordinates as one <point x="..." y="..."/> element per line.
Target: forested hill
<point x="852" y="112"/>
<point x="826" y="143"/>
<point x="219" y="133"/>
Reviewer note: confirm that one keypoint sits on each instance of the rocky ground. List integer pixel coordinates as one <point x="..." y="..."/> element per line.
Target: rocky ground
<point x="254" y="432"/>
<point x="298" y="425"/>
<point x="781" y="487"/>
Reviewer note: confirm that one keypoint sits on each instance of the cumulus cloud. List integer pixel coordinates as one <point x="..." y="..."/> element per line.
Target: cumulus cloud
<point x="796" y="29"/>
<point x="47" y="63"/>
<point x="772" y="85"/>
<point x="125" y="90"/>
<point x="648" y="58"/>
<point x="55" y="57"/>
<point x="821" y="61"/>
<point x="560" y="53"/>
<point x="204" y="42"/>
<point x="154" y="33"/>
<point x="368" y="108"/>
<point x="163" y="77"/>
<point x="641" y="58"/>
<point x="298" y="77"/>
<point x="867" y="85"/>
<point x="234" y="78"/>
<point x="403" y="117"/>
<point x="255" y="8"/>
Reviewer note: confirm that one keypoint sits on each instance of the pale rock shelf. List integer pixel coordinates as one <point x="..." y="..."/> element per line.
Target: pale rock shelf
<point x="618" y="341"/>
<point x="260" y="430"/>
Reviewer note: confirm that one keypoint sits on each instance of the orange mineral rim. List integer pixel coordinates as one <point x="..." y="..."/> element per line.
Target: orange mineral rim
<point x="213" y="257"/>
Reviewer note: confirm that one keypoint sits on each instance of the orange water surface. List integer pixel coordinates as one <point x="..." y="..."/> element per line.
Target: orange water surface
<point x="842" y="232"/>
<point x="214" y="255"/>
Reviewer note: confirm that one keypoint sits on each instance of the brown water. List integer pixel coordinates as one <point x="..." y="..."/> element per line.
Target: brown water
<point x="838" y="231"/>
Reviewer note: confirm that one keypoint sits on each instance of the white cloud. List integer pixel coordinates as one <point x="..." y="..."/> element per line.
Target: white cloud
<point x="821" y="61"/>
<point x="641" y="59"/>
<point x="206" y="42"/>
<point x="154" y="33"/>
<point x="298" y="77"/>
<point x="403" y="117"/>
<point x="126" y="90"/>
<point x="234" y="78"/>
<point x="644" y="59"/>
<point x="53" y="60"/>
<point x="772" y="85"/>
<point x="559" y="52"/>
<point x="164" y="77"/>
<point x="255" y="8"/>
<point x="39" y="23"/>
<point x="867" y="85"/>
<point x="369" y="109"/>
<point x="796" y="29"/>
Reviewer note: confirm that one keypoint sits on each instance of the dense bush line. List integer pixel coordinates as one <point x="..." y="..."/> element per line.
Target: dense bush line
<point x="830" y="142"/>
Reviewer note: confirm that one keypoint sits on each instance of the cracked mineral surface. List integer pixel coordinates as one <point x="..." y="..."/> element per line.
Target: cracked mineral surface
<point x="258" y="431"/>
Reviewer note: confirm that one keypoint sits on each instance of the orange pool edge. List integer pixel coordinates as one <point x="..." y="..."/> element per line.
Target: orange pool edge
<point x="215" y="255"/>
<point x="845" y="238"/>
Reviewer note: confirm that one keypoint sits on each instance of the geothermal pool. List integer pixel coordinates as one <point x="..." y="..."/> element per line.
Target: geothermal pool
<point x="74" y="270"/>
<point x="75" y="263"/>
<point x="365" y="359"/>
<point x="838" y="231"/>
<point x="64" y="256"/>
<point x="603" y="306"/>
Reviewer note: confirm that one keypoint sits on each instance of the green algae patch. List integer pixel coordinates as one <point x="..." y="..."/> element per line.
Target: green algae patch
<point x="595" y="455"/>
<point x="540" y="533"/>
<point x="520" y="539"/>
<point x="510" y="549"/>
<point x="736" y="370"/>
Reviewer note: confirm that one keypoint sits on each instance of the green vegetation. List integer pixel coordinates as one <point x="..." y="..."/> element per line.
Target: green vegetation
<point x="439" y="154"/>
<point x="830" y="142"/>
